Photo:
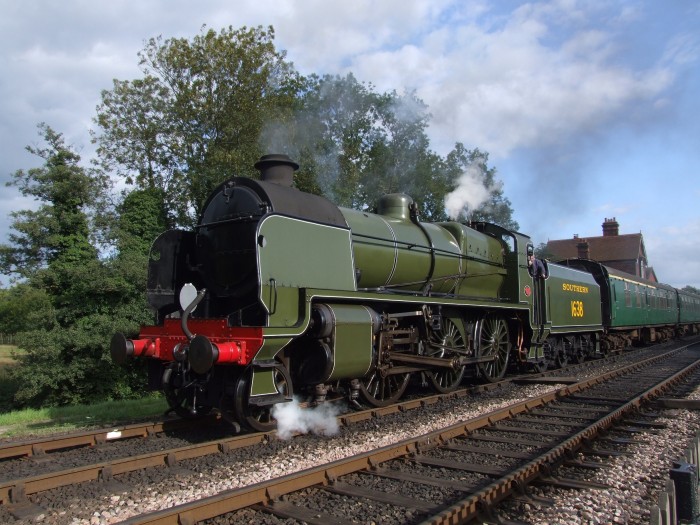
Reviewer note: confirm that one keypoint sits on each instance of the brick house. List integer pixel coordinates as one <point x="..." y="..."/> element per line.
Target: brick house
<point x="623" y="252"/>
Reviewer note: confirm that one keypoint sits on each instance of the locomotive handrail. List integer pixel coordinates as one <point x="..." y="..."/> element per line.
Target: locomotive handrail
<point x="443" y="295"/>
<point x="226" y="221"/>
<point x="442" y="278"/>
<point x="273" y="295"/>
<point x="411" y="245"/>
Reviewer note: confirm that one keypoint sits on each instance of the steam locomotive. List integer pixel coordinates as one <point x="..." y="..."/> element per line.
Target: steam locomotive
<point x="279" y="293"/>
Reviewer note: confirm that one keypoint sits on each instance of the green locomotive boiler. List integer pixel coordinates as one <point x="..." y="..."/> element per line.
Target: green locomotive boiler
<point x="278" y="293"/>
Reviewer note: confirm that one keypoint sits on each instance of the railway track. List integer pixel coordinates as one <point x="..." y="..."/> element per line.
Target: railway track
<point x="488" y="459"/>
<point x="15" y="492"/>
<point x="39" y="446"/>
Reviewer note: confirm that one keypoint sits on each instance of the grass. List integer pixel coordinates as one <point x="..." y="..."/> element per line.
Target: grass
<point x="6" y="358"/>
<point x="34" y="422"/>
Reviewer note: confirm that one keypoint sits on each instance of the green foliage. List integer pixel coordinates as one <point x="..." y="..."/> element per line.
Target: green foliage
<point x="541" y="251"/>
<point x="57" y="232"/>
<point x="71" y="302"/>
<point x="339" y="122"/>
<point x="70" y="365"/>
<point x="691" y="289"/>
<point x="199" y="110"/>
<point x="497" y="208"/>
<point x="140" y="219"/>
<point x="8" y="386"/>
<point x="204" y="110"/>
<point x="24" y="307"/>
<point x="361" y="144"/>
<point x="208" y="107"/>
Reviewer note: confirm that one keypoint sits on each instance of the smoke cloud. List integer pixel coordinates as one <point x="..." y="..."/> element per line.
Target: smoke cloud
<point x="292" y="419"/>
<point x="471" y="192"/>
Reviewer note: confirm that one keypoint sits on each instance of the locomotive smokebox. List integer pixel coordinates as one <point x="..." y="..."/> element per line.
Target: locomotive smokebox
<point x="278" y="169"/>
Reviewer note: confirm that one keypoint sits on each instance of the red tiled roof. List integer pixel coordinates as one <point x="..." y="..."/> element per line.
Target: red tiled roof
<point x="609" y="248"/>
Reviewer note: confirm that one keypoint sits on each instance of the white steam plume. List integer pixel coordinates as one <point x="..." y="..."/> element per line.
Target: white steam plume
<point x="292" y="419"/>
<point x="470" y="192"/>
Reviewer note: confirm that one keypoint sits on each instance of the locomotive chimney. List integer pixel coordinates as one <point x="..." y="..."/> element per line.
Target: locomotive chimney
<point x="611" y="227"/>
<point x="277" y="168"/>
<point x="584" y="251"/>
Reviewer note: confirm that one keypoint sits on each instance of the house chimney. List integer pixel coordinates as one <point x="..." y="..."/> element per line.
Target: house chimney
<point x="584" y="251"/>
<point x="611" y="228"/>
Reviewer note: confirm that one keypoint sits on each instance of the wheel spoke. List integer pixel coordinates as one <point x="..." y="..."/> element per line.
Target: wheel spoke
<point x="257" y="418"/>
<point x="181" y="393"/>
<point x="381" y="391"/>
<point x="446" y="379"/>
<point x="493" y="341"/>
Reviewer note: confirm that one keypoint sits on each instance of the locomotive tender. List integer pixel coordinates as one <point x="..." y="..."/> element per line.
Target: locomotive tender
<point x="277" y="293"/>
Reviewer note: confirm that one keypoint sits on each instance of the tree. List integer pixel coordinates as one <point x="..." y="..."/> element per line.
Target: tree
<point x="478" y="195"/>
<point x="70" y="301"/>
<point x="332" y="134"/>
<point x="362" y="144"/>
<point x="541" y="251"/>
<point x="196" y="117"/>
<point x="24" y="308"/>
<point x="58" y="232"/>
<point x="404" y="162"/>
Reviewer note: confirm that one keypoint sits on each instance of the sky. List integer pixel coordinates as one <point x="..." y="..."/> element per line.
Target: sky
<point x="588" y="109"/>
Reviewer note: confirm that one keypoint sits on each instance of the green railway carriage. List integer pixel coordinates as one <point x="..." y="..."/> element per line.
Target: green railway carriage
<point x="640" y="303"/>
<point x="689" y="312"/>
<point x="634" y="309"/>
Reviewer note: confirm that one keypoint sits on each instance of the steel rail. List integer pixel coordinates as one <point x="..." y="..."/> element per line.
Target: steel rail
<point x="470" y="508"/>
<point x="14" y="492"/>
<point x="265" y="493"/>
<point x="87" y="438"/>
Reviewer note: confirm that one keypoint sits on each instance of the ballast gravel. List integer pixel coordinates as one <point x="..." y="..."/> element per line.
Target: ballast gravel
<point x="634" y="481"/>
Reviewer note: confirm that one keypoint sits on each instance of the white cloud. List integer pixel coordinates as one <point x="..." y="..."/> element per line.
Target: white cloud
<point x="675" y="253"/>
<point x="537" y="84"/>
<point x="507" y="88"/>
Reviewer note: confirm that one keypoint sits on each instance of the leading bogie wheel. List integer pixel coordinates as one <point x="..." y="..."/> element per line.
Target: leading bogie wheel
<point x="181" y="392"/>
<point x="253" y="417"/>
